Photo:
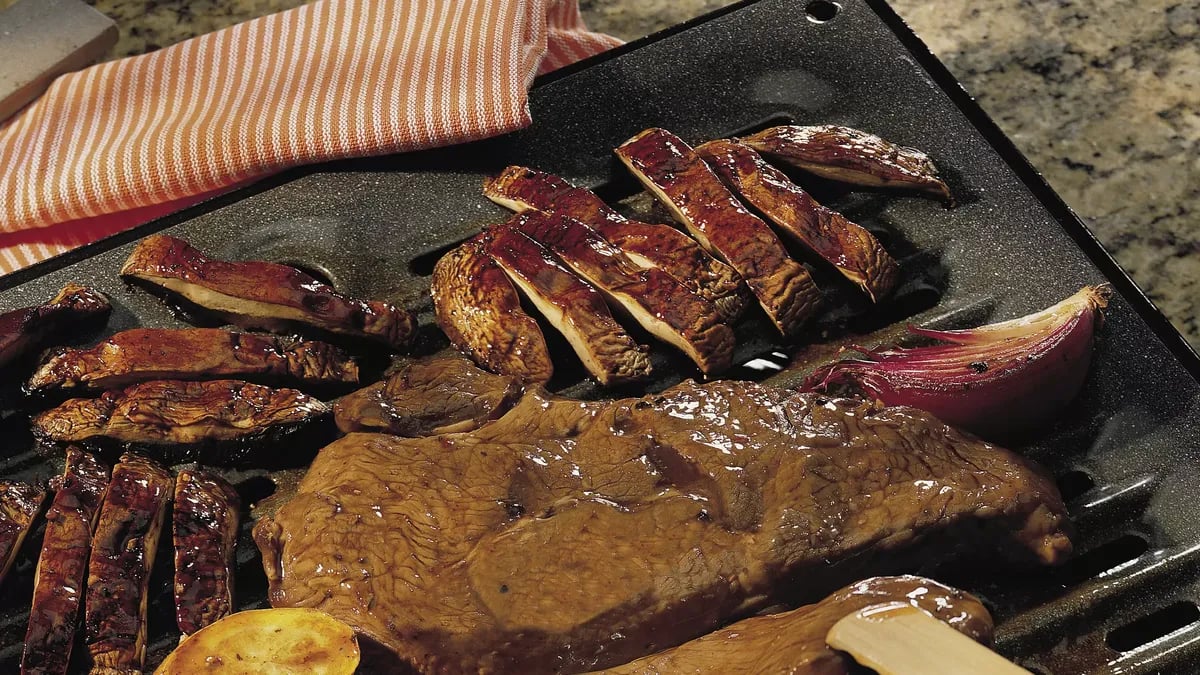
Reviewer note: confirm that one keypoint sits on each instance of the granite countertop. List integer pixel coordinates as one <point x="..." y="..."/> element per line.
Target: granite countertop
<point x="1101" y="95"/>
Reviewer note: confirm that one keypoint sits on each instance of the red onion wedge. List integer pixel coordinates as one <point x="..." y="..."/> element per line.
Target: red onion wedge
<point x="996" y="380"/>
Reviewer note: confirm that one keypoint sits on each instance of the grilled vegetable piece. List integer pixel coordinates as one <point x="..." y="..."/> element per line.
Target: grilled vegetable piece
<point x="663" y="306"/>
<point x="177" y="413"/>
<point x="851" y="156"/>
<point x="19" y="506"/>
<point x="262" y="295"/>
<point x="273" y="641"/>
<point x="123" y="551"/>
<point x="62" y="566"/>
<point x="794" y="642"/>
<point x="423" y="398"/>
<point x="479" y="310"/>
<point x="576" y="309"/>
<point x="856" y="253"/>
<point x="193" y="354"/>
<point x="674" y="173"/>
<point x="646" y="244"/>
<point x="204" y="528"/>
<point x="24" y="330"/>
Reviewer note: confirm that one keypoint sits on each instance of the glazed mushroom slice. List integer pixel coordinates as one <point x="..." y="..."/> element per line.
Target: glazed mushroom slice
<point x="204" y="528"/>
<point x="145" y="354"/>
<point x="851" y="156"/>
<point x="477" y="307"/>
<point x="570" y="305"/>
<point x="673" y="172"/>
<point x="19" y="506"/>
<point x="25" y="330"/>
<point x="123" y="552"/>
<point x="263" y="296"/>
<point x="661" y="305"/>
<point x="852" y="250"/>
<point x="175" y="418"/>
<point x="649" y="245"/>
<point x="428" y="397"/>
<point x="61" y="573"/>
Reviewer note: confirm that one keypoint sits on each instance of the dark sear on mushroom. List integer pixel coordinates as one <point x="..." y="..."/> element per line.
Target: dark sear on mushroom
<point x="204" y="528"/>
<point x="264" y="296"/>
<point x="25" y="330"/>
<point x="145" y="354"/>
<point x="19" y="505"/>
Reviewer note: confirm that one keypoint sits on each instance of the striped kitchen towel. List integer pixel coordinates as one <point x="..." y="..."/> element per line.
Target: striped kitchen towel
<point x="126" y="141"/>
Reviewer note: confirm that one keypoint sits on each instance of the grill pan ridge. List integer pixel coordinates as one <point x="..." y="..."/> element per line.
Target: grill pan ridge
<point x="1122" y="454"/>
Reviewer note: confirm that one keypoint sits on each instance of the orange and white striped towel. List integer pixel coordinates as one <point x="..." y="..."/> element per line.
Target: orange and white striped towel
<point x="123" y="142"/>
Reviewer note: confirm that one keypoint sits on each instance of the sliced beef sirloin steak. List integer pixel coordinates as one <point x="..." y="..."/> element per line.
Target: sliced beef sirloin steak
<point x="569" y="536"/>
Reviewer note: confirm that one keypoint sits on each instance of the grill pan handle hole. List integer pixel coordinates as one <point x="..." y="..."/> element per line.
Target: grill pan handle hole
<point x="1153" y="626"/>
<point x="821" y="11"/>
<point x="1073" y="484"/>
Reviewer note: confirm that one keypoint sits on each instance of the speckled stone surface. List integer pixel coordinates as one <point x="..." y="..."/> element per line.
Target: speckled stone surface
<point x="1103" y="96"/>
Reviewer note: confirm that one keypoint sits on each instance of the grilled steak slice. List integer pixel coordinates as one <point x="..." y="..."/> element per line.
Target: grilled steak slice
<point x="856" y="253"/>
<point x="204" y="528"/>
<point x="576" y="309"/>
<point x="794" y="642"/>
<point x="193" y="354"/>
<point x="674" y="173"/>
<point x="24" y="330"/>
<point x="661" y="305"/>
<point x="851" y="156"/>
<point x="176" y="413"/>
<point x="62" y="566"/>
<point x="479" y="310"/>
<point x="568" y="536"/>
<point x="423" y="398"/>
<point x="123" y="550"/>
<point x="19" y="506"/>
<point x="646" y="244"/>
<point x="263" y="296"/>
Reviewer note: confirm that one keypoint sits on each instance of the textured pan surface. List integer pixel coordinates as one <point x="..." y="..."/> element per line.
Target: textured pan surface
<point x="1010" y="248"/>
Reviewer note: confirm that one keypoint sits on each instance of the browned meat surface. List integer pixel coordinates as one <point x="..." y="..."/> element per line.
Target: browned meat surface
<point x="674" y="173"/>
<point x="24" y="330"/>
<point x="576" y="309"/>
<point x="174" y="412"/>
<point x="193" y="354"/>
<point x="661" y="305"/>
<point x="123" y="550"/>
<point x="646" y="244"/>
<point x="19" y="506"/>
<point x="204" y="528"/>
<point x="263" y="296"/>
<point x="479" y="310"/>
<point x="856" y="253"/>
<point x="62" y="566"/>
<point x="423" y="398"/>
<point x="851" y="156"/>
<point x="793" y="643"/>
<point x="569" y="536"/>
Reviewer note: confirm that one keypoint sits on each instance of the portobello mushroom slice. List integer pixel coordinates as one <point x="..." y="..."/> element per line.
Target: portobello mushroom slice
<point x="570" y="305"/>
<point x="25" y="330"/>
<point x="428" y="397"/>
<point x="672" y="171"/>
<point x="144" y="354"/>
<point x="204" y="529"/>
<point x="649" y="245"/>
<point x="123" y="552"/>
<point x="175" y="418"/>
<point x="19" y="506"/>
<point x="661" y="305"/>
<point x="61" y="573"/>
<point x="266" y="296"/>
<point x="477" y="307"/>
<point x="852" y="250"/>
<point x="851" y="156"/>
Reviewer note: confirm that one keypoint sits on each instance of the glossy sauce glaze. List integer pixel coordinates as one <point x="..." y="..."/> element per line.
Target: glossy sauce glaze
<point x="204" y="527"/>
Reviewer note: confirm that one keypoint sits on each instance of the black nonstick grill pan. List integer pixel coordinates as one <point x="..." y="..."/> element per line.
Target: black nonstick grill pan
<point x="1125" y="454"/>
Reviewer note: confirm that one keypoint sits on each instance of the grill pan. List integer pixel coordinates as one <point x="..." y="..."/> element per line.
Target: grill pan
<point x="1123" y="454"/>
